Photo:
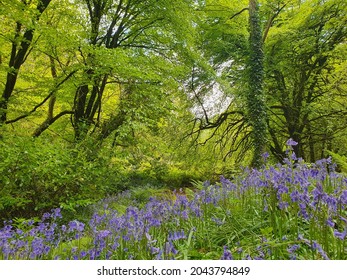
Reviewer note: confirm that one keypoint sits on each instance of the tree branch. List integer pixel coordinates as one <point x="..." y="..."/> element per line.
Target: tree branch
<point x="270" y="22"/>
<point x="239" y="13"/>
<point x="49" y="122"/>
<point x="43" y="101"/>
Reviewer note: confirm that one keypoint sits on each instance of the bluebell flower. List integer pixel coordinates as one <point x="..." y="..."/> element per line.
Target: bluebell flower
<point x="282" y="189"/>
<point x="295" y="196"/>
<point x="56" y="213"/>
<point x="37" y="247"/>
<point x="115" y="244"/>
<point x="103" y="233"/>
<point x="45" y="216"/>
<point x="283" y="205"/>
<point x="293" y="156"/>
<point x="287" y="161"/>
<point x="184" y="214"/>
<point x="218" y="221"/>
<point x="331" y="202"/>
<point x="177" y="235"/>
<point x="154" y="250"/>
<point x="226" y="254"/>
<point x="170" y="248"/>
<point x="340" y="235"/>
<point x="319" y="249"/>
<point x="291" y="142"/>
<point x="343" y="197"/>
<point x="76" y="226"/>
<point x="292" y="249"/>
<point x="63" y="228"/>
<point x="303" y="211"/>
<point x="207" y="184"/>
<point x="265" y="156"/>
<point x="227" y="184"/>
<point x="330" y="223"/>
<point x="159" y="255"/>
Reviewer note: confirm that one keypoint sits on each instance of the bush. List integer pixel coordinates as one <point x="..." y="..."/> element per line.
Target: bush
<point x="38" y="175"/>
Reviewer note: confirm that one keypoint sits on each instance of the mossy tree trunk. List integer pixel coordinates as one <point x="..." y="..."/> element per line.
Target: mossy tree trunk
<point x="255" y="98"/>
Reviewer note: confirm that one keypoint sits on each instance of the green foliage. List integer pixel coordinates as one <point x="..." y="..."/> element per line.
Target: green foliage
<point x="298" y="93"/>
<point x="38" y="175"/>
<point x="340" y="160"/>
<point x="301" y="63"/>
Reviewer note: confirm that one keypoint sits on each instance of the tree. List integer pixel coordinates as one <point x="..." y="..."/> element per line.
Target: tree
<point x="255" y="97"/>
<point x="125" y="28"/>
<point x="301" y="62"/>
<point x="121" y="48"/>
<point x="245" y="126"/>
<point x="277" y="82"/>
<point x="26" y="16"/>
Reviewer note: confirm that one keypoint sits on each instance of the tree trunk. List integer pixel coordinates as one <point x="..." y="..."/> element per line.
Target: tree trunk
<point x="51" y="104"/>
<point x="255" y="98"/>
<point x="87" y="104"/>
<point x="18" y="56"/>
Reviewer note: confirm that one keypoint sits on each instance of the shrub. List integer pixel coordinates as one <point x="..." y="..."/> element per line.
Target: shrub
<point x="37" y="175"/>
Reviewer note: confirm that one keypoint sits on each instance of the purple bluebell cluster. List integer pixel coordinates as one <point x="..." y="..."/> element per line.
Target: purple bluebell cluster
<point x="291" y="209"/>
<point x="227" y="255"/>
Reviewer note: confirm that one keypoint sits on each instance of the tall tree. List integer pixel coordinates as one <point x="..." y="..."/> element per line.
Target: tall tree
<point x="284" y="75"/>
<point x="235" y="45"/>
<point x="255" y="97"/>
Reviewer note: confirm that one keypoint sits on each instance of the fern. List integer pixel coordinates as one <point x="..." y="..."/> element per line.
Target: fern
<point x="340" y="160"/>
